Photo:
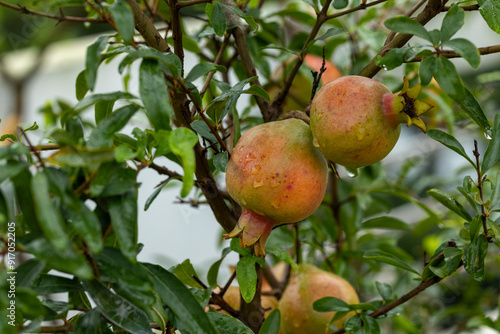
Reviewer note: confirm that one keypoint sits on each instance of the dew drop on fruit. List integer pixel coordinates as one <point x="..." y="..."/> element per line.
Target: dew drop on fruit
<point x="315" y="142"/>
<point x="352" y="172"/>
<point x="255" y="169"/>
<point x="275" y="205"/>
<point x="257" y="184"/>
<point x="361" y="133"/>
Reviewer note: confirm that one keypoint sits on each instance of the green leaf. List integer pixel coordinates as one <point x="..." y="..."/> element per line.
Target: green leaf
<point x="392" y="59"/>
<point x="185" y="272"/>
<point x="123" y="213"/>
<point x="81" y="87"/>
<point x="473" y="109"/>
<point x="22" y="186"/>
<point x="11" y="169"/>
<point x="406" y="25"/>
<point x="103" y="109"/>
<point x="220" y="161"/>
<point x="68" y="260"/>
<point x="248" y="18"/>
<point x="213" y="272"/>
<point x="466" y="49"/>
<point x="95" y="98"/>
<point x="91" y="322"/>
<point x="272" y="323"/>
<point x="82" y="157"/>
<point x="449" y="141"/>
<point x="124" y="20"/>
<point x="124" y="153"/>
<point x="330" y="304"/>
<point x="182" y="141"/>
<point x="452" y="22"/>
<point x="354" y="325"/>
<point x="449" y="202"/>
<point x="340" y="4"/>
<point x="492" y="154"/>
<point x="491" y="13"/>
<point x="426" y="70"/>
<point x="118" y="310"/>
<point x="48" y="284"/>
<point x="203" y="130"/>
<point x="170" y="62"/>
<point x="389" y="259"/>
<point x="103" y="133"/>
<point x="154" y="94"/>
<point x="384" y="289"/>
<point x="227" y="324"/>
<point x="180" y="300"/>
<point x="475" y="254"/>
<point x="370" y="325"/>
<point x="247" y="277"/>
<point x="131" y="278"/>
<point x="201" y="69"/>
<point x="495" y="196"/>
<point x="49" y="216"/>
<point x="448" y="78"/>
<point x="92" y="60"/>
<point x="28" y="271"/>
<point x="217" y="17"/>
<point x="155" y="194"/>
<point x="258" y="91"/>
<point x="386" y="222"/>
<point x="282" y="255"/>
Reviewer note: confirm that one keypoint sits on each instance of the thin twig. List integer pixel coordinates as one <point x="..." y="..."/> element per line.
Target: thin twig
<point x="480" y="187"/>
<point x="60" y="18"/>
<point x="361" y="6"/>
<point x="191" y="3"/>
<point x="37" y="153"/>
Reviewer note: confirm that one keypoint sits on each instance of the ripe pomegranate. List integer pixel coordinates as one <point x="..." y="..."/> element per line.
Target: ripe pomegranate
<point x="356" y="121"/>
<point x="307" y="285"/>
<point x="277" y="176"/>
<point x="232" y="298"/>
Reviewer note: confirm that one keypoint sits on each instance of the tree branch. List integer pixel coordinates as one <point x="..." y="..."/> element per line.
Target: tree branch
<point x="147" y="29"/>
<point x="60" y="18"/>
<point x="451" y="54"/>
<point x="191" y="3"/>
<point x="432" y="8"/>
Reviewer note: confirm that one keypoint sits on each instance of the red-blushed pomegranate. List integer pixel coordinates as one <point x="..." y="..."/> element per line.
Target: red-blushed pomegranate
<point x="307" y="285"/>
<point x="277" y="176"/>
<point x="233" y="299"/>
<point x="356" y="121"/>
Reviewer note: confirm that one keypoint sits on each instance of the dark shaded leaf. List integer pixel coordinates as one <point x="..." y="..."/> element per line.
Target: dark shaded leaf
<point x="330" y="304"/>
<point x="475" y="254"/>
<point x="213" y="272"/>
<point x="180" y="300"/>
<point x="47" y="284"/>
<point x="103" y="133"/>
<point x="227" y="324"/>
<point x="247" y="277"/>
<point x="93" y="60"/>
<point x="217" y="17"/>
<point x="473" y="109"/>
<point x="449" y="141"/>
<point x="123" y="213"/>
<point x="466" y="49"/>
<point x="124" y="20"/>
<point x="386" y="222"/>
<point x="451" y="203"/>
<point x="492" y="154"/>
<point x="452" y="22"/>
<point x="406" y="25"/>
<point x="491" y="13"/>
<point x="117" y="309"/>
<point x="154" y="94"/>
<point x="81" y="87"/>
<point x="220" y="161"/>
<point x="389" y="259"/>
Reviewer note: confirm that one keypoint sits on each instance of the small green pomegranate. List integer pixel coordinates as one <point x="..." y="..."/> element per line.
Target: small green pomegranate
<point x="356" y="121"/>
<point x="277" y="176"/>
<point x="307" y="285"/>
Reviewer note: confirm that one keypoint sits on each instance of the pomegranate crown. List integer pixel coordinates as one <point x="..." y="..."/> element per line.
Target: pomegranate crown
<point x="406" y="103"/>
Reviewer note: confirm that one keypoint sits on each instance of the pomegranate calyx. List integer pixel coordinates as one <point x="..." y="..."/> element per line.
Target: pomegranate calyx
<point x="409" y="106"/>
<point x="253" y="231"/>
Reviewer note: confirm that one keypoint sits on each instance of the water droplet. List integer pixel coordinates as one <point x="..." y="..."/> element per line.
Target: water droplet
<point x="275" y="205"/>
<point x="257" y="184"/>
<point x="274" y="183"/>
<point x="255" y="169"/>
<point x="243" y="202"/>
<point x="487" y="136"/>
<point x="352" y="172"/>
<point x="384" y="67"/>
<point x="241" y="147"/>
<point x="315" y="142"/>
<point x="361" y="133"/>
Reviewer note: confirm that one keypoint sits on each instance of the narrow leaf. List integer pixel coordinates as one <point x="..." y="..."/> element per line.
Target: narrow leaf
<point x="213" y="272"/>
<point x="386" y="222"/>
<point x="272" y="323"/>
<point x="247" y="277"/>
<point x="406" y="25"/>
<point x="103" y="133"/>
<point x="220" y="161"/>
<point x="93" y="60"/>
<point x="182" y="141"/>
<point x="180" y="300"/>
<point x="331" y="304"/>
<point x="117" y="309"/>
<point x="449" y="202"/>
<point x="124" y="20"/>
<point x="81" y="87"/>
<point x="123" y="213"/>
<point x="452" y="22"/>
<point x="475" y="254"/>
<point x="201" y="69"/>
<point x="154" y="94"/>
<point x="449" y="141"/>
<point x="389" y="259"/>
<point x="448" y="78"/>
<point x="466" y="49"/>
<point x="226" y="324"/>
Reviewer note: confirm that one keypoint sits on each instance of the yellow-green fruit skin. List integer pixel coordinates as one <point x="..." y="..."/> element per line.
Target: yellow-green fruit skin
<point x="307" y="285"/>
<point x="351" y="124"/>
<point x="276" y="172"/>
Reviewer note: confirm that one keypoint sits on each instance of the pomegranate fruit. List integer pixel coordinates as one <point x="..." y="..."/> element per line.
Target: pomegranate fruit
<point x="232" y="298"/>
<point x="356" y="121"/>
<point x="277" y="176"/>
<point x="299" y="94"/>
<point x="307" y="285"/>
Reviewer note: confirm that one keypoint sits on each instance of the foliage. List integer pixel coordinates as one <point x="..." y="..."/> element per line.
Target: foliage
<point x="74" y="222"/>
